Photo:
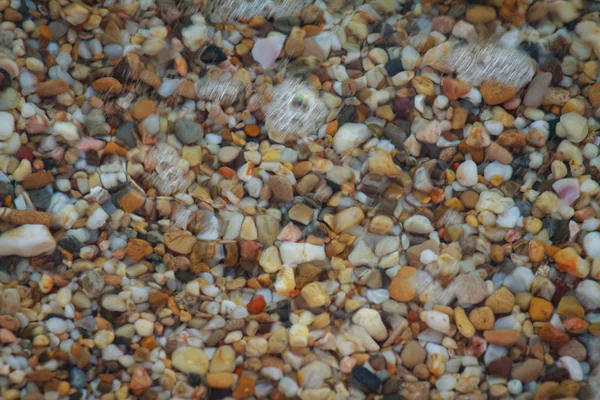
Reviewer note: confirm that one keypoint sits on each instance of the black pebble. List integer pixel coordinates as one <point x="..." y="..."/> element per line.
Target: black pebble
<point x="218" y="394"/>
<point x="49" y="163"/>
<point x="346" y="115"/>
<point x="368" y="379"/>
<point x="213" y="55"/>
<point x="283" y="309"/>
<point x="532" y="49"/>
<point x="71" y="244"/>
<point x="393" y="397"/>
<point x="5" y="79"/>
<point x="76" y="396"/>
<point x="393" y="67"/>
<point x="194" y="379"/>
<point x="184" y="276"/>
<point x="552" y="130"/>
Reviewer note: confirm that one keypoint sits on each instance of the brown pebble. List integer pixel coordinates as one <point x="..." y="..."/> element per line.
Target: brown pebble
<point x="37" y="180"/>
<point x="107" y="84"/>
<point x="142" y="109"/>
<point x="537" y="12"/>
<point x="281" y="188"/>
<point x="594" y="95"/>
<point x="494" y="93"/>
<point x="52" y="87"/>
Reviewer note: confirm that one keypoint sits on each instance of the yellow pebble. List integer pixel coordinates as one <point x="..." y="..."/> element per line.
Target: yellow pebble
<point x="271" y="155"/>
<point x="455" y="204"/>
<point x="450" y="176"/>
<point x="532" y="224"/>
<point x="472" y="221"/>
<point x="465" y="327"/>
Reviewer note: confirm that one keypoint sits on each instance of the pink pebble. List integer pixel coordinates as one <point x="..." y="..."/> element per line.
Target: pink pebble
<point x="513" y="103"/>
<point x="266" y="51"/>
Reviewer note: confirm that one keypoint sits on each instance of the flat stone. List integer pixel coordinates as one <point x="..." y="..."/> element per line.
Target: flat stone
<point x="412" y="354"/>
<point x="188" y="132"/>
<point x="537" y="90"/>
<point x="527" y="371"/>
<point x="190" y="360"/>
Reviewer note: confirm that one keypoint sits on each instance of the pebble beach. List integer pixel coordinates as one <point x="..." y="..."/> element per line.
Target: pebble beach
<point x="299" y="199"/>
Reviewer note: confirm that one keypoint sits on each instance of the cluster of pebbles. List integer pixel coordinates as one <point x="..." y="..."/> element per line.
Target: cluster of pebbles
<point x="377" y="199"/>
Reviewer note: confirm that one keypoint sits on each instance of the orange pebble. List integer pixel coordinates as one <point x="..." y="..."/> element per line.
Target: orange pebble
<point x="252" y="130"/>
<point x="114" y="148"/>
<point x="257" y="304"/>
<point x="540" y="309"/>
<point x="149" y="343"/>
<point x="332" y="128"/>
<point x="45" y="32"/>
<point x="245" y="387"/>
<point x="227" y="172"/>
<point x="437" y="195"/>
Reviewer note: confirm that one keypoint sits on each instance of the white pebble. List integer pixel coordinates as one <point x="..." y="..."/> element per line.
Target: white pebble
<point x="67" y="130"/>
<point x="56" y="325"/>
<point x="143" y="327"/>
<point x="436" y="320"/>
<point x="466" y="174"/>
<point x="496" y="169"/>
<point x="7" y="125"/>
<point x="418" y="224"/>
<point x="514" y="386"/>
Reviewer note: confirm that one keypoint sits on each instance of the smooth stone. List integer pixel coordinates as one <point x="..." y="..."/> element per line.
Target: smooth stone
<point x="350" y="136"/>
<point x="572" y="126"/>
<point x="366" y="378"/>
<point x="470" y="289"/>
<point x="466" y="174"/>
<point x="190" y="360"/>
<point x="418" y="224"/>
<point x="266" y="51"/>
<point x="7" y="125"/>
<point x="527" y="371"/>
<point x="27" y="241"/>
<point x="126" y="134"/>
<point x="188" y="132"/>
<point x="371" y="320"/>
<point x="537" y="90"/>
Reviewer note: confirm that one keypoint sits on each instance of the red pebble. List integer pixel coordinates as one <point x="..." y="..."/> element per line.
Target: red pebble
<point x="25" y="153"/>
<point x="412" y="316"/>
<point x="249" y="249"/>
<point x="257" y="304"/>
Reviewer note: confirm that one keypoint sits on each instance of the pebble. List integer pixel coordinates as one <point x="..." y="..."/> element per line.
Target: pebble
<point x="265" y="51"/>
<point x="466" y="174"/>
<point x="190" y="360"/>
<point x="7" y="125"/>
<point x="57" y="325"/>
<point x="527" y="371"/>
<point x="26" y="241"/>
<point x="371" y="321"/>
<point x="281" y="188"/>
<point x="188" y="132"/>
<point x="573" y="127"/>
<point x="366" y="378"/>
<point x="350" y="136"/>
<point x="418" y="224"/>
<point x="537" y="90"/>
<point x="436" y="320"/>
<point x="470" y="289"/>
<point x="412" y="354"/>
